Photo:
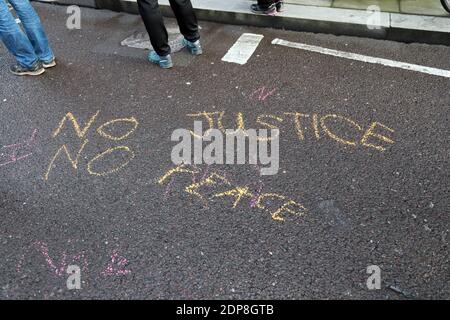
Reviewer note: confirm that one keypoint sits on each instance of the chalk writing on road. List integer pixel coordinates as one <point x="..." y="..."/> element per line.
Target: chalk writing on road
<point x="376" y="136"/>
<point x="261" y="94"/>
<point x="19" y="151"/>
<point x="115" y="266"/>
<point x="106" y="131"/>
<point x="220" y="186"/>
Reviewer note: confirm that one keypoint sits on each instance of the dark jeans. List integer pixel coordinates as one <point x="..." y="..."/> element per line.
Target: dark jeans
<point x="266" y="3"/>
<point x="153" y="20"/>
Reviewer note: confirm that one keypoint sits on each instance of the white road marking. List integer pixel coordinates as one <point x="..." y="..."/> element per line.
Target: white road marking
<point x="243" y="49"/>
<point x="363" y="58"/>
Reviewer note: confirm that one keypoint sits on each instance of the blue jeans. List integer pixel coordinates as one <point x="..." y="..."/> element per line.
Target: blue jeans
<point x="28" y="47"/>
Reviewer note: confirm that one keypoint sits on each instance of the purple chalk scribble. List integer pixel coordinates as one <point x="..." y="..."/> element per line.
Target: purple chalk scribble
<point x="254" y="200"/>
<point x="261" y="94"/>
<point x="60" y="268"/>
<point x="16" y="152"/>
<point x="116" y="267"/>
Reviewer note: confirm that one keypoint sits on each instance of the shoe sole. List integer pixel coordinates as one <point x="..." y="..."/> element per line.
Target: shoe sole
<point x="166" y="67"/>
<point x="159" y="65"/>
<point x="162" y="67"/>
<point x="271" y="13"/>
<point x="49" y="65"/>
<point x="191" y="50"/>
<point x="198" y="53"/>
<point x="29" y="73"/>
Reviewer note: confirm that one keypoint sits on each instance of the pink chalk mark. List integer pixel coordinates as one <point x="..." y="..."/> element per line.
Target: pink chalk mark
<point x="168" y="188"/>
<point x="60" y="268"/>
<point x="111" y="269"/>
<point x="262" y="93"/>
<point x="19" y="265"/>
<point x="254" y="200"/>
<point x="13" y="155"/>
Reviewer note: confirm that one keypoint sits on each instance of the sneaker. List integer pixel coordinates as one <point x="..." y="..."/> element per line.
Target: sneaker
<point x="35" y="70"/>
<point x="269" y="11"/>
<point x="195" y="48"/>
<point x="279" y="5"/>
<point x="164" y="62"/>
<point x="49" y="64"/>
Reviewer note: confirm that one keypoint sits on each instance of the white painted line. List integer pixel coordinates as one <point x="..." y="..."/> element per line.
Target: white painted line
<point x="368" y="59"/>
<point x="243" y="49"/>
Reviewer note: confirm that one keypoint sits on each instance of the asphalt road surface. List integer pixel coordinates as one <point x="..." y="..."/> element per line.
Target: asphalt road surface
<point x="363" y="177"/>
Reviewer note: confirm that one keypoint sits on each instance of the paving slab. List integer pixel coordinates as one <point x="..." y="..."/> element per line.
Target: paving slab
<point x="384" y="5"/>
<point x="312" y="18"/>
<point x="423" y="7"/>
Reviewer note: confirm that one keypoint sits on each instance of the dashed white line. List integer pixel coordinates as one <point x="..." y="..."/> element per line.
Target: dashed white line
<point x="243" y="49"/>
<point x="363" y="58"/>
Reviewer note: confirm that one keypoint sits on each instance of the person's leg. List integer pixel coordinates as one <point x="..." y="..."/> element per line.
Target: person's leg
<point x="267" y="7"/>
<point x="33" y="28"/>
<point x="279" y="4"/>
<point x="187" y="21"/>
<point x="266" y="3"/>
<point x="153" y="21"/>
<point x="14" y="39"/>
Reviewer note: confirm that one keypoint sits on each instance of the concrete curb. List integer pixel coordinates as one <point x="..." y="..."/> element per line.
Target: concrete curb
<point x="81" y="3"/>
<point x="394" y="26"/>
